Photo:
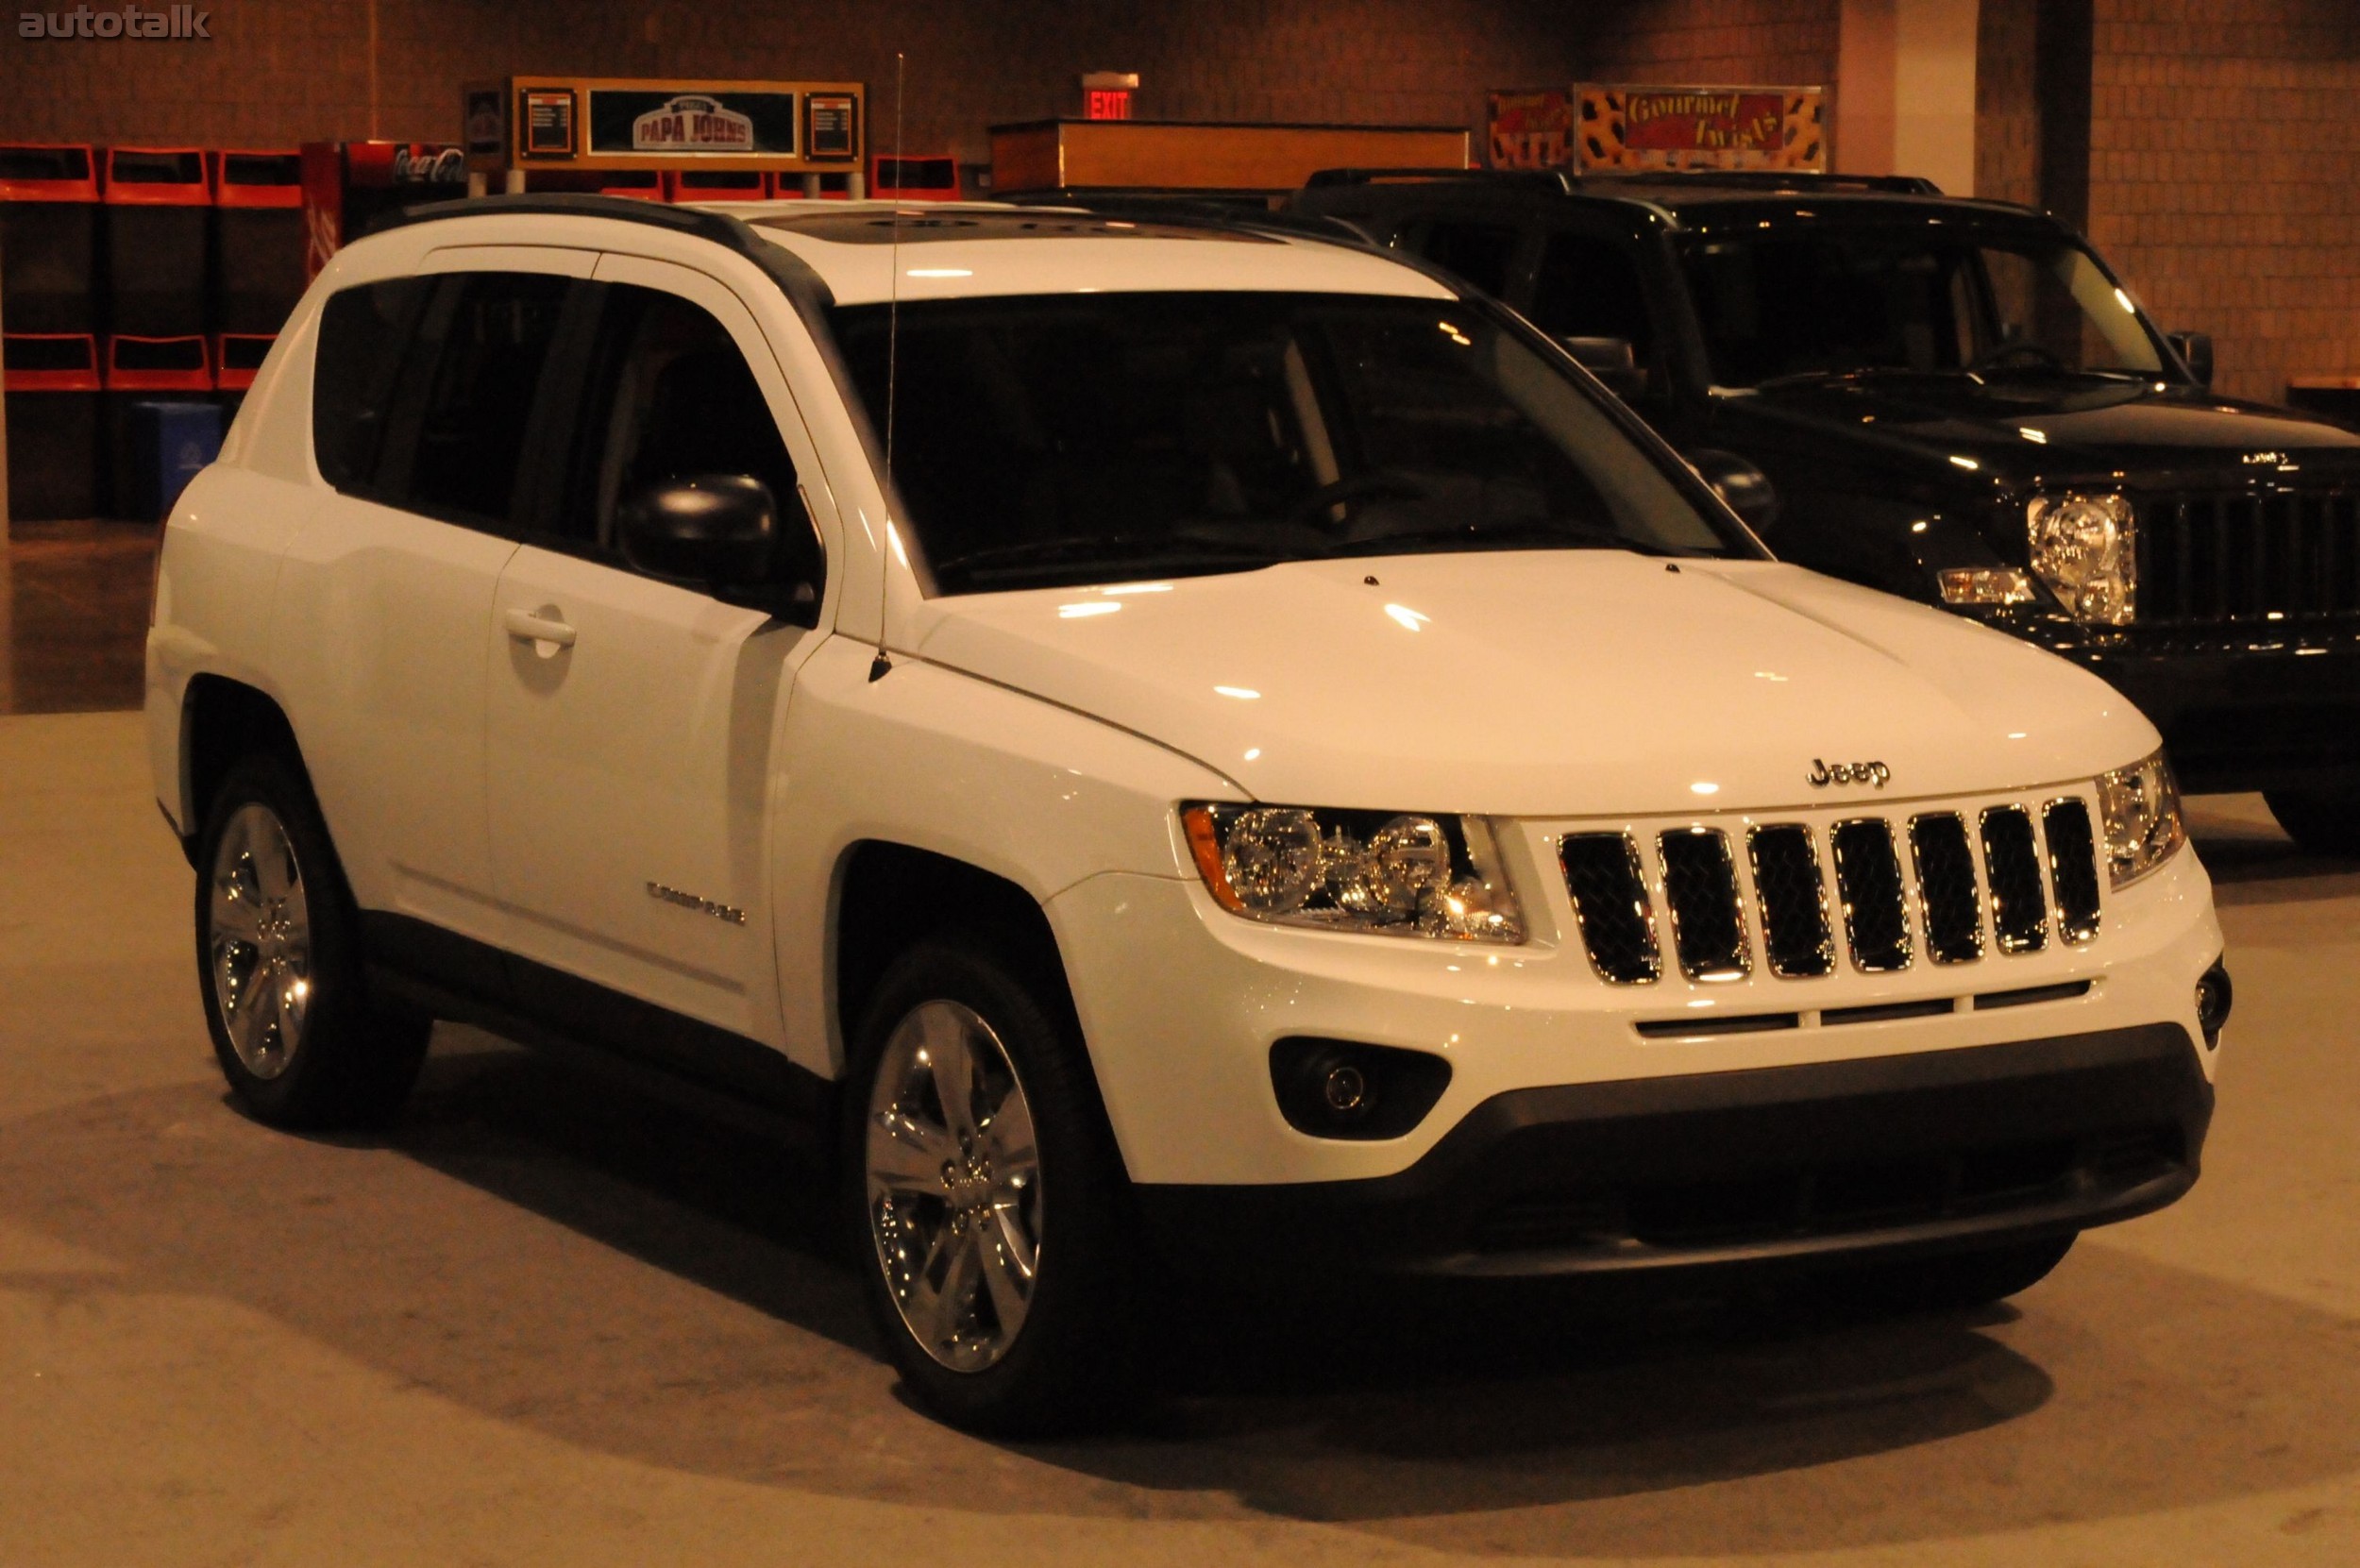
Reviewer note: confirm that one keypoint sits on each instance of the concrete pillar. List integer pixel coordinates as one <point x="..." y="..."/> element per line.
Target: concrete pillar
<point x="1905" y="91"/>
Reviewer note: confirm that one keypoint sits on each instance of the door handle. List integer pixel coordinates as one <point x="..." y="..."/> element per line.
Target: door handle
<point x="526" y="627"/>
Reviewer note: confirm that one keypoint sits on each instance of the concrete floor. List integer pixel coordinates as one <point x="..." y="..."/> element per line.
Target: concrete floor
<point x="536" y="1325"/>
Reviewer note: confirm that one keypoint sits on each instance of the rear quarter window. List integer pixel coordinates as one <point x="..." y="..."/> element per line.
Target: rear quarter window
<point x="363" y="332"/>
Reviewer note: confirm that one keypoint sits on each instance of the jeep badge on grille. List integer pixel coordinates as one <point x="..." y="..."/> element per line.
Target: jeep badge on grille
<point x="1822" y="774"/>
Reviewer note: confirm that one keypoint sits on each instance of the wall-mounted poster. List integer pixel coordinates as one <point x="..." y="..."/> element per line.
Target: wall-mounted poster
<point x="831" y="125"/>
<point x="1642" y="126"/>
<point x="1531" y="130"/>
<point x="548" y="115"/>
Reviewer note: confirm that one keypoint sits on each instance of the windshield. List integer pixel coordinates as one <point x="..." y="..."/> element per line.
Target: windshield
<point x="1045" y="441"/>
<point x="1822" y="301"/>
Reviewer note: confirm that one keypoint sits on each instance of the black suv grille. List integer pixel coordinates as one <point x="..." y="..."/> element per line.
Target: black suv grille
<point x="2072" y="867"/>
<point x="2211" y="558"/>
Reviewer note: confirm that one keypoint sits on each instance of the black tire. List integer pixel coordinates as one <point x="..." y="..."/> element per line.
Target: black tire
<point x="1068" y="1364"/>
<point x="346" y="1058"/>
<point x="2323" y="822"/>
<point x="1952" y="1282"/>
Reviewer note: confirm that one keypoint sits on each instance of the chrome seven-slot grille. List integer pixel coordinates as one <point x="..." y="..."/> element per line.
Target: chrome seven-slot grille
<point x="1792" y="892"/>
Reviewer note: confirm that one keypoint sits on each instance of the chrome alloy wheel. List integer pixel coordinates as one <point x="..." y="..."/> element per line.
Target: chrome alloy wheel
<point x="258" y="940"/>
<point x="954" y="1203"/>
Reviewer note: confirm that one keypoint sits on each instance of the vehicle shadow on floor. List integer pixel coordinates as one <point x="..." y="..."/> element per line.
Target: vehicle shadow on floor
<point x="2253" y="862"/>
<point x="545" y="1251"/>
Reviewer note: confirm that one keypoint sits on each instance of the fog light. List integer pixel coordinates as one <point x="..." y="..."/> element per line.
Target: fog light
<point x="2214" y="998"/>
<point x="1346" y="1091"/>
<point x="1341" y="1089"/>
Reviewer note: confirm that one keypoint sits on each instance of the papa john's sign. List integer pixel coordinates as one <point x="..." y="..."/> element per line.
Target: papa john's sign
<point x="603" y="123"/>
<point x="693" y="122"/>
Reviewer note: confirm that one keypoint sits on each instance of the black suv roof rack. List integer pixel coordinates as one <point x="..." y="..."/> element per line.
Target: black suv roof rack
<point x="1555" y="180"/>
<point x="1566" y="182"/>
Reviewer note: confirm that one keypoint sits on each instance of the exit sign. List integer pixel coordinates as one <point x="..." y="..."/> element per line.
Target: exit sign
<point x="1107" y="95"/>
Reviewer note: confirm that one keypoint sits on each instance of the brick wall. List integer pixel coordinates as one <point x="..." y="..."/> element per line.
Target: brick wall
<point x="280" y="71"/>
<point x="2007" y="107"/>
<point x="1738" y="42"/>
<point x="2222" y="170"/>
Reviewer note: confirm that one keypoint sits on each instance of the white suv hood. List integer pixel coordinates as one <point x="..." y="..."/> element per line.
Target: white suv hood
<point x="1544" y="683"/>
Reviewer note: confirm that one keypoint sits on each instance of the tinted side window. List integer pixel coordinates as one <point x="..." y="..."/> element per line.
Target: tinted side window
<point x="478" y="363"/>
<point x="1478" y="252"/>
<point x="671" y="397"/>
<point x="1587" y="287"/>
<point x="363" y="332"/>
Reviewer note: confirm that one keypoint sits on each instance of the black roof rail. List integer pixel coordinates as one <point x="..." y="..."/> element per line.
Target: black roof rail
<point x="1771" y="179"/>
<point x="1535" y="180"/>
<point x="717" y="227"/>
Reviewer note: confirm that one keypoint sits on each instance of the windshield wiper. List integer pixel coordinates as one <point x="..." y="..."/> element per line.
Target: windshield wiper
<point x="1483" y="535"/>
<point x="1129" y="552"/>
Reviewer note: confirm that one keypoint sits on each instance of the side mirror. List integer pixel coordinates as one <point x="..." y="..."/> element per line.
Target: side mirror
<point x="1612" y="361"/>
<point x="1745" y="488"/>
<point x="717" y="529"/>
<point x="2196" y="351"/>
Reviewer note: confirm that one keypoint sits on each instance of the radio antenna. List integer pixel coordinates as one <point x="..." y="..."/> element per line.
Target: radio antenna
<point x="881" y="666"/>
<point x="893" y="295"/>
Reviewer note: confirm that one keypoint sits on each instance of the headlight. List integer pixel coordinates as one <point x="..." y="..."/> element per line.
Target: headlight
<point x="2082" y="549"/>
<point x="2141" y="807"/>
<point x="1393" y="873"/>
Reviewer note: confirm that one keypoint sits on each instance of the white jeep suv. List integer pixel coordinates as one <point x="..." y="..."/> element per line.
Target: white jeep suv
<point x="1143" y="740"/>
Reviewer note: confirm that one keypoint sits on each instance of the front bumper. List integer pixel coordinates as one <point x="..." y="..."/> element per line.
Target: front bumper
<point x="2013" y="1140"/>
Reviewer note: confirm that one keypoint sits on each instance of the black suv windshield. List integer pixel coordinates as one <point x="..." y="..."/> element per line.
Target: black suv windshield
<point x="1053" y="440"/>
<point x="1827" y="299"/>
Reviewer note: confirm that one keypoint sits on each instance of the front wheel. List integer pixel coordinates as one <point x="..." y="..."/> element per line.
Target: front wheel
<point x="299" y="1038"/>
<point x="990" y="1198"/>
<point x="2323" y="822"/>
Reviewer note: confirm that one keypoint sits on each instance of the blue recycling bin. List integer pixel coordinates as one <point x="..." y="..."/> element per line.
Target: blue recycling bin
<point x="169" y="442"/>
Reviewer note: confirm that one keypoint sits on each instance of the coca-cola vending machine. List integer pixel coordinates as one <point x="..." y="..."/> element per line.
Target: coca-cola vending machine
<point x="348" y="185"/>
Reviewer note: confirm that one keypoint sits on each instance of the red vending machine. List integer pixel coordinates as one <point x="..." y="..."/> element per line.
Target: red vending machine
<point x="48" y="238"/>
<point x="347" y="184"/>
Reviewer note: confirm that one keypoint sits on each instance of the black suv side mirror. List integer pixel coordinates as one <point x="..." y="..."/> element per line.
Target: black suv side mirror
<point x="1612" y="361"/>
<point x="1745" y="488"/>
<point x="2194" y="350"/>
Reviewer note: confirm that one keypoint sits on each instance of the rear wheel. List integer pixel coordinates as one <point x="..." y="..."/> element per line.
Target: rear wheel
<point x="988" y="1198"/>
<point x="2324" y="821"/>
<point x="299" y="1038"/>
<point x="1954" y="1282"/>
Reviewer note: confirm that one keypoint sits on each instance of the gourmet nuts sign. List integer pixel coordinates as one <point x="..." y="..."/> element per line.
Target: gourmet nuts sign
<point x="692" y="123"/>
<point x="1634" y="126"/>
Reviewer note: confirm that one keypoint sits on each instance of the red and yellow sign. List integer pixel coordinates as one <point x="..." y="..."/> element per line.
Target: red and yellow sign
<point x="1531" y="130"/>
<point x="1642" y="126"/>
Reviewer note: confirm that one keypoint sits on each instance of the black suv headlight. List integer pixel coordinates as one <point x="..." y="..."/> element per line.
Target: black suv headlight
<point x="1390" y="874"/>
<point x="2083" y="547"/>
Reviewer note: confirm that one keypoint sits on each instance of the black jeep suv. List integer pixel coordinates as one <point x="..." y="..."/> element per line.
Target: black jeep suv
<point x="1956" y="401"/>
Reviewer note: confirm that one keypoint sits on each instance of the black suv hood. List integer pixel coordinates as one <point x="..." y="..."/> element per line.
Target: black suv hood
<point x="2015" y="428"/>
